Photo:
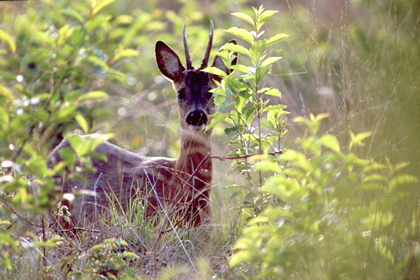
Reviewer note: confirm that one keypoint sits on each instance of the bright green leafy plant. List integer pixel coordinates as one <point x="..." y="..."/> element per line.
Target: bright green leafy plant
<point x="246" y="97"/>
<point x="52" y="80"/>
<point x="334" y="215"/>
<point x="250" y="108"/>
<point x="310" y="205"/>
<point x="108" y="259"/>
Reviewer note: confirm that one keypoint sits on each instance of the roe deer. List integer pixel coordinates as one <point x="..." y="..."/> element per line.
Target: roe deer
<point x="181" y="185"/>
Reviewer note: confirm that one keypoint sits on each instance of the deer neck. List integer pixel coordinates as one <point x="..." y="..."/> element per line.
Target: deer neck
<point x="193" y="164"/>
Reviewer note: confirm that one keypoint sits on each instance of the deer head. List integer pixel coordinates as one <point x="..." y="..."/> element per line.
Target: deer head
<point x="192" y="85"/>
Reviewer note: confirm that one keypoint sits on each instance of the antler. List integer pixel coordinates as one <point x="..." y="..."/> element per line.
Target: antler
<point x="187" y="53"/>
<point x="207" y="55"/>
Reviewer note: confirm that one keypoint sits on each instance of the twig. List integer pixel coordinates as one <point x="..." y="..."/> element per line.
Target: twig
<point x="244" y="156"/>
<point x="222" y="158"/>
<point x="80" y="229"/>
<point x="219" y="158"/>
<point x="20" y="216"/>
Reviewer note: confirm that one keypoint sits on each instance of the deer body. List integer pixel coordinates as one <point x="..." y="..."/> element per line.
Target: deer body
<point x="179" y="186"/>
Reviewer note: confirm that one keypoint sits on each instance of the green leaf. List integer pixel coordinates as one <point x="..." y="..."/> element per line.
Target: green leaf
<point x="72" y="96"/>
<point x="240" y="102"/>
<point x="267" y="124"/>
<point x="98" y="248"/>
<point x="261" y="73"/>
<point x="96" y="22"/>
<point x="374" y="166"/>
<point x="64" y="33"/>
<point x="291" y="155"/>
<point x="42" y="116"/>
<point x="215" y="71"/>
<point x="260" y="219"/>
<point x="375" y="178"/>
<point x="318" y="118"/>
<point x="217" y="118"/>
<point x="281" y="186"/>
<point x="4" y="258"/>
<point x="72" y="14"/>
<point x="5" y="92"/>
<point x="98" y="94"/>
<point x="218" y="91"/>
<point x="331" y="142"/>
<point x="402" y="180"/>
<point x="274" y="107"/>
<point x="8" y="40"/>
<point x="82" y="122"/>
<point x="6" y="239"/>
<point x="101" y="65"/>
<point x="264" y="17"/>
<point x="240" y="257"/>
<point x="401" y="165"/>
<point x="276" y="38"/>
<point x="268" y="166"/>
<point x="270" y="60"/>
<point x="257" y="52"/>
<point x="242" y="68"/>
<point x="357" y="140"/>
<point x="84" y="145"/>
<point x="241" y="33"/>
<point x="313" y="122"/>
<point x="235" y="48"/>
<point x="99" y="5"/>
<point x="244" y="17"/>
<point x="273" y="92"/>
<point x="77" y="38"/>
<point x="54" y="242"/>
<point x="130" y="255"/>
<point x="124" y="53"/>
<point x="44" y="38"/>
<point x="352" y="160"/>
<point x="249" y="112"/>
<point x="66" y="112"/>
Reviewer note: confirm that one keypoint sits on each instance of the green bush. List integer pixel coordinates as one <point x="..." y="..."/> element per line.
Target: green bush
<point x="337" y="216"/>
<point x="254" y="124"/>
<point x="53" y="76"/>
<point x="320" y="200"/>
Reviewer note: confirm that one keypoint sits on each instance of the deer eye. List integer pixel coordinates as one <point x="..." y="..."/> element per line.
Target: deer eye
<point x="181" y="95"/>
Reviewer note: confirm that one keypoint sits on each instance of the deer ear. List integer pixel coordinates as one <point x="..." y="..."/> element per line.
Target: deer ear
<point x="168" y="62"/>
<point x="218" y="62"/>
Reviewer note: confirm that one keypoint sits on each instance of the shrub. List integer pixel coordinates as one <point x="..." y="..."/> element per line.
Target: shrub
<point x="54" y="68"/>
<point x="334" y="215"/>
<point x="317" y="212"/>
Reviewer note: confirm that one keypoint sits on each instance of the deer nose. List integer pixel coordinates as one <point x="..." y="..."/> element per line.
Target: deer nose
<point x="196" y="118"/>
